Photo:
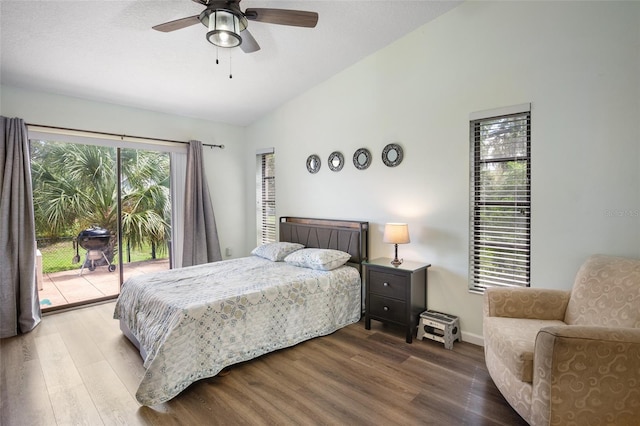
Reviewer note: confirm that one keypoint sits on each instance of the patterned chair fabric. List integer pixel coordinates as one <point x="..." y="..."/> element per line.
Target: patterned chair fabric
<point x="569" y="358"/>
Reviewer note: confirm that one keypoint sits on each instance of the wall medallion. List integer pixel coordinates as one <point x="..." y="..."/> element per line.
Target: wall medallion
<point x="313" y="163"/>
<point x="392" y="155"/>
<point x="362" y="158"/>
<point x="336" y="161"/>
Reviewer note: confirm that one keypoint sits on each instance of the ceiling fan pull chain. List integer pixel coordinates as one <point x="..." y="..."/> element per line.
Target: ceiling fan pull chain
<point x="230" y="75"/>
<point x="217" y="61"/>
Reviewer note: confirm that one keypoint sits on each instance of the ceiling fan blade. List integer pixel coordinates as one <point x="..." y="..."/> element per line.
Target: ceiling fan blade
<point x="177" y="24"/>
<point x="249" y="44"/>
<point x="296" y="18"/>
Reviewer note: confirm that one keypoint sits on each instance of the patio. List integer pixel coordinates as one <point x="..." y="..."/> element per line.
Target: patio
<point x="69" y="287"/>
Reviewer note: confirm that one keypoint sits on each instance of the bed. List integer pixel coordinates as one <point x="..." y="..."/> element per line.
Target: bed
<point x="192" y="322"/>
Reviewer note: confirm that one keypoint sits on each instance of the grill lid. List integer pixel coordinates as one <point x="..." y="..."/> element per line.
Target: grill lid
<point x="94" y="238"/>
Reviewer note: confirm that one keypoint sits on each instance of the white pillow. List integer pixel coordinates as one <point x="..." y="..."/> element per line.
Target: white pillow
<point x="321" y="259"/>
<point x="276" y="252"/>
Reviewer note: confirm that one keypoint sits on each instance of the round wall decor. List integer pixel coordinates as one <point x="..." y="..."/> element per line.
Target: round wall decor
<point x="313" y="163"/>
<point x="362" y="158"/>
<point x="336" y="161"/>
<point x="392" y="155"/>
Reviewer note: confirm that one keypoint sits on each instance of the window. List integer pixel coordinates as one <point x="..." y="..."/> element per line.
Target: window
<point x="266" y="196"/>
<point x="500" y="198"/>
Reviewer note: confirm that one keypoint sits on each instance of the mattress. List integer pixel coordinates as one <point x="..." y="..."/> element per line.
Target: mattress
<point x="192" y="322"/>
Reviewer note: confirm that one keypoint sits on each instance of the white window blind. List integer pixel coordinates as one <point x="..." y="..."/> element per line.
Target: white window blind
<point x="500" y="200"/>
<point x="266" y="197"/>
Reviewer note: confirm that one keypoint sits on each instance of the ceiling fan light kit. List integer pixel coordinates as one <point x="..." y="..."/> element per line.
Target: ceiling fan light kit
<point x="224" y="26"/>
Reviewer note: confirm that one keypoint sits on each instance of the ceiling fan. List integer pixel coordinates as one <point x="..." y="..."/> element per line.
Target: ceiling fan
<point x="225" y="21"/>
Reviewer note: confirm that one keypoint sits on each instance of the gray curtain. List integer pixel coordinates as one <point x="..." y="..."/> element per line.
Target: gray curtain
<point x="19" y="303"/>
<point x="201" y="243"/>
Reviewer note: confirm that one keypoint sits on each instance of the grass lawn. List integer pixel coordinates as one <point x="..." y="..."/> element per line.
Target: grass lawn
<point x="59" y="256"/>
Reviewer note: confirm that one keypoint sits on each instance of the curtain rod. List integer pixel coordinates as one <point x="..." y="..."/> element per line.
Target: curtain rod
<point x="122" y="137"/>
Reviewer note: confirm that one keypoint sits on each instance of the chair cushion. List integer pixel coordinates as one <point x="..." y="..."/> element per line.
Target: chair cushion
<point x="606" y="292"/>
<point x="513" y="340"/>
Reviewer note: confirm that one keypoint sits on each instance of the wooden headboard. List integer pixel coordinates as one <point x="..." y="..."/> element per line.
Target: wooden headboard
<point x="346" y="235"/>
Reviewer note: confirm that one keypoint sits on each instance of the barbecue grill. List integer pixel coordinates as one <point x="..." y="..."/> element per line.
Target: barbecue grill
<point x="96" y="241"/>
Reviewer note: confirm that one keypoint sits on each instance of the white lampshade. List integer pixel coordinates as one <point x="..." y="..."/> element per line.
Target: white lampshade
<point x="396" y="233"/>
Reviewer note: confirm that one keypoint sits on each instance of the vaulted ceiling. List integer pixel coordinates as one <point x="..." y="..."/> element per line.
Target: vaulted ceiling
<point x="107" y="51"/>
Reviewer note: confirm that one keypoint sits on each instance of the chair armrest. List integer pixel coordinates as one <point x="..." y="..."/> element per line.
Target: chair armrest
<point x="531" y="303"/>
<point x="586" y="375"/>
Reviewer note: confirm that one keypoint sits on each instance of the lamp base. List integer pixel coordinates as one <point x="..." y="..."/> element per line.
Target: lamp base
<point x="396" y="261"/>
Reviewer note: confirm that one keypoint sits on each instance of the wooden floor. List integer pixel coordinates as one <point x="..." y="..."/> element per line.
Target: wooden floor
<point x="77" y="368"/>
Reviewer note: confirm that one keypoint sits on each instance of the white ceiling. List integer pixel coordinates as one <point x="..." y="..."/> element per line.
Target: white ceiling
<point x="105" y="50"/>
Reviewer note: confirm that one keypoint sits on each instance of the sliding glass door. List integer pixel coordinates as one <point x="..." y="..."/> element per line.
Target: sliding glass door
<point x="103" y="213"/>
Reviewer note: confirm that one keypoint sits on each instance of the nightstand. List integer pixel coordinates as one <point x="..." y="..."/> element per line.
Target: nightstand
<point x="395" y="294"/>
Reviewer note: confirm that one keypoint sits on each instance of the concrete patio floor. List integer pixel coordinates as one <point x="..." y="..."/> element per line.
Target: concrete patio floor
<point x="69" y="287"/>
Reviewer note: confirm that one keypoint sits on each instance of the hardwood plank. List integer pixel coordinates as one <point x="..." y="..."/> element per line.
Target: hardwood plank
<point x="245" y="406"/>
<point x="124" y="359"/>
<point x="120" y="353"/>
<point x="72" y="405"/>
<point x="58" y="367"/>
<point x="110" y="396"/>
<point x="106" y="311"/>
<point x="78" y="368"/>
<point x="378" y="374"/>
<point x="98" y="320"/>
<point x="22" y="384"/>
<point x="277" y="394"/>
<point x="273" y="375"/>
<point x="76" y="334"/>
<point x="46" y="326"/>
<point x="231" y="401"/>
<point x="359" y="393"/>
<point x="485" y="399"/>
<point x="159" y="416"/>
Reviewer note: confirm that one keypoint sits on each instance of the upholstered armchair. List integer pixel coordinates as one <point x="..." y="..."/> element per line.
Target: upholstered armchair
<point x="569" y="357"/>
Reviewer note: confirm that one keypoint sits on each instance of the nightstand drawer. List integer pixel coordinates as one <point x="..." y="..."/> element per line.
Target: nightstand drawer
<point x="388" y="285"/>
<point x="388" y="309"/>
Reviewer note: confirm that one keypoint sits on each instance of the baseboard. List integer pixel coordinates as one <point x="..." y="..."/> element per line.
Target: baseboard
<point x="472" y="338"/>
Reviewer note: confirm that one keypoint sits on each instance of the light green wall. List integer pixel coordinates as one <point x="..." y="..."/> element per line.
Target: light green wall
<point x="578" y="63"/>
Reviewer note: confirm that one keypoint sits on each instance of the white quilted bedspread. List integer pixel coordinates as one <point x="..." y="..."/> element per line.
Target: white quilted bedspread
<point x="192" y="322"/>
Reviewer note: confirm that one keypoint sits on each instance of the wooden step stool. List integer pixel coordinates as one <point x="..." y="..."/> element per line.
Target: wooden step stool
<point x="441" y="327"/>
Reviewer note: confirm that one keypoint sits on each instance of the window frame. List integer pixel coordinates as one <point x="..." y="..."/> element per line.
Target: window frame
<point x="488" y="201"/>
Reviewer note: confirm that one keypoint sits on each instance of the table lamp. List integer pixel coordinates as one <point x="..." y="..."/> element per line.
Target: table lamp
<point x="396" y="233"/>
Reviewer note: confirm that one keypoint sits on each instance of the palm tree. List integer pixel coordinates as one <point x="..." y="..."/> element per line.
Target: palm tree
<point x="146" y="206"/>
<point x="75" y="187"/>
